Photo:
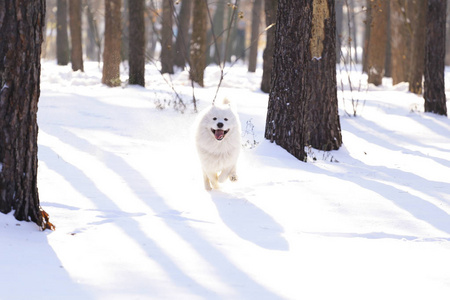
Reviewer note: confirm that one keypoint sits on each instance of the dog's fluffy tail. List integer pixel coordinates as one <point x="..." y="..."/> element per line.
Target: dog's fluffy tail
<point x="226" y="101"/>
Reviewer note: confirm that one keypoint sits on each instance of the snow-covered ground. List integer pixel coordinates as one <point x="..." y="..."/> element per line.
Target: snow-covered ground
<point x="119" y="176"/>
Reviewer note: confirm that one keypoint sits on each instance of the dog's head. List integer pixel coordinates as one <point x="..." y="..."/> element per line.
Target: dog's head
<point x="220" y="120"/>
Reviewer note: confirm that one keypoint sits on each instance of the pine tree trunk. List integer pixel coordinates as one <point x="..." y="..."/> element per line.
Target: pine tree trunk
<point x="198" y="42"/>
<point x="75" y="35"/>
<point x="111" y="52"/>
<point x="285" y="121"/>
<point x="324" y="128"/>
<point x="124" y="44"/>
<point x="137" y="42"/>
<point x="166" y="38"/>
<point x="434" y="86"/>
<point x="400" y="40"/>
<point x="182" y="42"/>
<point x="93" y="46"/>
<point x="21" y="24"/>
<point x="62" y="38"/>
<point x="376" y="55"/>
<point x="417" y="68"/>
<point x="270" y="9"/>
<point x="254" y="40"/>
<point x="303" y="100"/>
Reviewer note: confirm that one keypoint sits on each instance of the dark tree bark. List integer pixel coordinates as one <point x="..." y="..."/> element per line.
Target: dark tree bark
<point x="198" y="42"/>
<point x="376" y="48"/>
<point x="166" y="38"/>
<point x="75" y="35"/>
<point x="182" y="41"/>
<point x="62" y="38"/>
<point x="21" y="24"/>
<point x="270" y="9"/>
<point x="303" y="99"/>
<point x="400" y="40"/>
<point x="324" y="128"/>
<point x="256" y="17"/>
<point x="434" y="86"/>
<point x="137" y="42"/>
<point x="111" y="52"/>
<point x="418" y="11"/>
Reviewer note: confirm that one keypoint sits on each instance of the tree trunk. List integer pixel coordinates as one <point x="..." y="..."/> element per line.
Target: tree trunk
<point x="62" y="38"/>
<point x="256" y="17"/>
<point x="400" y="40"/>
<point x="270" y="9"/>
<point x="75" y="35"/>
<point x="417" y="68"/>
<point x="434" y="86"/>
<point x="324" y="128"/>
<point x="166" y="38"/>
<point x="93" y="46"/>
<point x="303" y="100"/>
<point x="182" y="41"/>
<point x="376" y="49"/>
<point x="198" y="42"/>
<point x="124" y="45"/>
<point x="137" y="42"/>
<point x="339" y="26"/>
<point x="21" y="24"/>
<point x="111" y="52"/>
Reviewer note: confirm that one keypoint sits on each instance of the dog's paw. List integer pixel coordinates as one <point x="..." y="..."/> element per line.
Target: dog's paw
<point x="233" y="178"/>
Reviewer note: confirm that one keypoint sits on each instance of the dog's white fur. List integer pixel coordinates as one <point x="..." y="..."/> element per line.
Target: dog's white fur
<point x="218" y="158"/>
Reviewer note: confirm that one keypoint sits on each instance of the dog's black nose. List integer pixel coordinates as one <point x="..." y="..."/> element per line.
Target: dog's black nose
<point x="220" y="125"/>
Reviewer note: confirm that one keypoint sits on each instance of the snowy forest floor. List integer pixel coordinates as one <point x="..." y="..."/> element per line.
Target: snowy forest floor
<point x="119" y="176"/>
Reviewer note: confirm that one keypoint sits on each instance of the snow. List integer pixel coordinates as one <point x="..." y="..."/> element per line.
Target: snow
<point x="119" y="177"/>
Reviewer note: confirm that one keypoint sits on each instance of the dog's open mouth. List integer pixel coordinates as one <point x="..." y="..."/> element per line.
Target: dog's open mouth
<point x="219" y="134"/>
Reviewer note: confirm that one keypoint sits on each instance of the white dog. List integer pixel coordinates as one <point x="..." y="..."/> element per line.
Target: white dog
<point x="218" y="140"/>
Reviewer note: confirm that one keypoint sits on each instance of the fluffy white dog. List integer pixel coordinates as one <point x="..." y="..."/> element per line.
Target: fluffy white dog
<point x="218" y="140"/>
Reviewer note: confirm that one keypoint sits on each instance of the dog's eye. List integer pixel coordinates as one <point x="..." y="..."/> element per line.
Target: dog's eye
<point x="214" y="118"/>
<point x="226" y="119"/>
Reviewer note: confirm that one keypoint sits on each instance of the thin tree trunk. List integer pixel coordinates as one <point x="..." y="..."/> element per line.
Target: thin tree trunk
<point x="400" y="40"/>
<point x="182" y="41"/>
<point x="75" y="35"/>
<point x="62" y="38"/>
<point x="93" y="47"/>
<point x="434" y="86"/>
<point x="124" y="45"/>
<point x="137" y="42"/>
<point x="270" y="9"/>
<point x="166" y="38"/>
<point x="376" y="55"/>
<point x="21" y="32"/>
<point x="111" y="52"/>
<point x="254" y="40"/>
<point x="198" y="42"/>
<point x="417" y="68"/>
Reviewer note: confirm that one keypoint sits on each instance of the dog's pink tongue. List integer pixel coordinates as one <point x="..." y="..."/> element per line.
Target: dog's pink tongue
<point x="219" y="134"/>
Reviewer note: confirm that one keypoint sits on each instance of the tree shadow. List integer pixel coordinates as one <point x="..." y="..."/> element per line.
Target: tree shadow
<point x="30" y="268"/>
<point x="249" y="222"/>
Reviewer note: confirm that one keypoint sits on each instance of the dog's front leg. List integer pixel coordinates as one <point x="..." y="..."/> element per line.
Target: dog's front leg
<point x="206" y="181"/>
<point x="211" y="180"/>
